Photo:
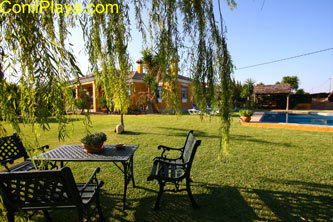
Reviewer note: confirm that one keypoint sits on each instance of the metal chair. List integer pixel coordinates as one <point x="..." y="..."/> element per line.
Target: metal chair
<point x="48" y="189"/>
<point x="11" y="148"/>
<point x="175" y="170"/>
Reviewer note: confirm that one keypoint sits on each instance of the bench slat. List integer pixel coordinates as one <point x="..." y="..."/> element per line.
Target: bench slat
<point x="173" y="169"/>
<point x="166" y="170"/>
<point x="153" y="170"/>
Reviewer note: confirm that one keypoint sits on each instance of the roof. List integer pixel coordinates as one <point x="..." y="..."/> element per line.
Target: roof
<point x="138" y="76"/>
<point x="132" y="75"/>
<point x="87" y="78"/>
<point x="135" y="75"/>
<point x="272" y="89"/>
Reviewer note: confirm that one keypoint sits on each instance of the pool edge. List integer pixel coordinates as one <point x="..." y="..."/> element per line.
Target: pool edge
<point x="289" y="126"/>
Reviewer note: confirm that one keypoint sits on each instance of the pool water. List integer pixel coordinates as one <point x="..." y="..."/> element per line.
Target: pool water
<point x="314" y="119"/>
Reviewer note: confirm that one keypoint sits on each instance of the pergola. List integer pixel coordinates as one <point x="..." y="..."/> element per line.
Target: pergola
<point x="278" y="89"/>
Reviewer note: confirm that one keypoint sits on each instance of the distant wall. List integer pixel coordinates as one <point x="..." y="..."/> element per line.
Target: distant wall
<point x="321" y="105"/>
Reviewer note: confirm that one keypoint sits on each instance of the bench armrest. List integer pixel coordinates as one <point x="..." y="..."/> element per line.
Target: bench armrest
<point x="169" y="148"/>
<point x="43" y="148"/>
<point x="165" y="148"/>
<point x="93" y="180"/>
<point x="5" y="162"/>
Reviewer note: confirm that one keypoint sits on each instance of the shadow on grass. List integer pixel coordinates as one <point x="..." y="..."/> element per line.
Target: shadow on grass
<point x="133" y="133"/>
<point x="305" y="186"/>
<point x="219" y="204"/>
<point x="255" y="140"/>
<point x="296" y="206"/>
<point x="181" y="132"/>
<point x="238" y="204"/>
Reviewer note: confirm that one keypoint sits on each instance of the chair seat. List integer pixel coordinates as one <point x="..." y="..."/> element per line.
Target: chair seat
<point x="24" y="166"/>
<point x="167" y="171"/>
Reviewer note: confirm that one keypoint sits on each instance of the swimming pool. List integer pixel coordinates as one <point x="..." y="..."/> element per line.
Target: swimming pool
<point x="298" y="118"/>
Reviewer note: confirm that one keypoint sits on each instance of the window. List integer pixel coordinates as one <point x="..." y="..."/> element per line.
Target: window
<point x="184" y="94"/>
<point x="159" y="94"/>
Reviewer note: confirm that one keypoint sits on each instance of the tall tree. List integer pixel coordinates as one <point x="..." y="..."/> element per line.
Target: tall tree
<point x="152" y="77"/>
<point x="42" y="52"/>
<point x="292" y="80"/>
<point x="247" y="91"/>
<point x="236" y="93"/>
<point x="34" y="55"/>
<point x="107" y="40"/>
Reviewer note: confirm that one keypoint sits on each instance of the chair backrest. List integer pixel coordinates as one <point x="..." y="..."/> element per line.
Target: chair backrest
<point x="190" y="148"/>
<point x="39" y="189"/>
<point x="11" y="147"/>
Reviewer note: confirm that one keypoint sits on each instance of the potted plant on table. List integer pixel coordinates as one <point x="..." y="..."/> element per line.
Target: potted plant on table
<point x="93" y="143"/>
<point x="245" y="115"/>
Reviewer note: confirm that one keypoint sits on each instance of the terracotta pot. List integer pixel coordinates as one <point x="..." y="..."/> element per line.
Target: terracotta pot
<point x="245" y="118"/>
<point x="95" y="148"/>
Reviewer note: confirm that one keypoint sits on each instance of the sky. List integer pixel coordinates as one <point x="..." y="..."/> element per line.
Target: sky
<point x="260" y="31"/>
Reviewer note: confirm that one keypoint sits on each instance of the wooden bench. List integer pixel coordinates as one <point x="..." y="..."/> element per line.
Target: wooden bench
<point x="175" y="170"/>
<point x="11" y="149"/>
<point x="48" y="189"/>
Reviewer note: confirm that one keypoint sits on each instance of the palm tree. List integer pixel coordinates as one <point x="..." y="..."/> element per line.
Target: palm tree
<point x="292" y="80"/>
<point x="247" y="90"/>
<point x="152" y="77"/>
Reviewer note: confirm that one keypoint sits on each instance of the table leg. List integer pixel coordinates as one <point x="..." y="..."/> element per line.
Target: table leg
<point x="132" y="173"/>
<point x="128" y="176"/>
<point x="126" y="181"/>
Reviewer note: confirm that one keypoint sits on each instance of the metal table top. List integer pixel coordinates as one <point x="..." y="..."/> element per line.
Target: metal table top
<point x="76" y="153"/>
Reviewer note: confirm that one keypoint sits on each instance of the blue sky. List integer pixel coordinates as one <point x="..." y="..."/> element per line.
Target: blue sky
<point x="261" y="31"/>
<point x="278" y="29"/>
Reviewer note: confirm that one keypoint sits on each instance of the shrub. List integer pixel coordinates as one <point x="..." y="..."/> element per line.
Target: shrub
<point x="246" y="112"/>
<point x="94" y="138"/>
<point x="83" y="103"/>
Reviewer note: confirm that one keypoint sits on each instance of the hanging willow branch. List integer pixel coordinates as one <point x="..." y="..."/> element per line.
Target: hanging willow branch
<point x="108" y="36"/>
<point x="36" y="68"/>
<point x="35" y="52"/>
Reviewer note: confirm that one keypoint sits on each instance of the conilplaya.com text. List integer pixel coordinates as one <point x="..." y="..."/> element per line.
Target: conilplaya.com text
<point x="7" y="6"/>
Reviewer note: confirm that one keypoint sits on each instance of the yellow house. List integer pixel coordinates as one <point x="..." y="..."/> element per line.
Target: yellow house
<point x="136" y="79"/>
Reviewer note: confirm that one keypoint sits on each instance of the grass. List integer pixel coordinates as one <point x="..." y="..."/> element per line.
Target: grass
<point x="270" y="174"/>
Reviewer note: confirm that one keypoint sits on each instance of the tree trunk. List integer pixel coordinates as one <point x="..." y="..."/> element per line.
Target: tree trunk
<point x="248" y="102"/>
<point x="150" y="105"/>
<point x="122" y="119"/>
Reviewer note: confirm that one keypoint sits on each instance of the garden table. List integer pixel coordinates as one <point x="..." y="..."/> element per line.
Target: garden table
<point x="75" y="153"/>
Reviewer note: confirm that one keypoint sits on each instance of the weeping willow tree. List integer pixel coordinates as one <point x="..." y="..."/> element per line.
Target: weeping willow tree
<point x="175" y="26"/>
<point x="35" y="58"/>
<point x="34" y="50"/>
<point x="107" y="40"/>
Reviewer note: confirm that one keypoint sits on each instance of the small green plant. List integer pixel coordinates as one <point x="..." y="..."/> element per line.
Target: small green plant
<point x="102" y="102"/>
<point x="83" y="103"/>
<point x="246" y="112"/>
<point x="94" y="138"/>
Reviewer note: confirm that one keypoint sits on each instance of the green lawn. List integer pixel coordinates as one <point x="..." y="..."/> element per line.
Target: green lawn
<point x="270" y="174"/>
